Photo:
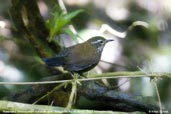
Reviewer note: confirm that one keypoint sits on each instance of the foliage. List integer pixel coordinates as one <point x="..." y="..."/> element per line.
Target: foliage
<point x="59" y="20"/>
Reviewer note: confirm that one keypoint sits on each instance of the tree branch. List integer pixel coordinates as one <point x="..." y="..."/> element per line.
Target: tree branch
<point x="15" y="107"/>
<point x="28" y="22"/>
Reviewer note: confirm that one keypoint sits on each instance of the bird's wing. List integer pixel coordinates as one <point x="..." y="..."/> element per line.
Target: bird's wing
<point x="81" y="57"/>
<point x="58" y="60"/>
<point x="55" y="61"/>
<point x="81" y="53"/>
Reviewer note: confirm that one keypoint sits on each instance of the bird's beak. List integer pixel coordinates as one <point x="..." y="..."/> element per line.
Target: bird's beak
<point x="109" y="40"/>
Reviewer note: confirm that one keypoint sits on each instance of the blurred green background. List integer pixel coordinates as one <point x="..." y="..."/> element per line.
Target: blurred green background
<point x="145" y="48"/>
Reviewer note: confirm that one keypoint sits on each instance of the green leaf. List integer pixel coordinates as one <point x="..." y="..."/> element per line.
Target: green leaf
<point x="68" y="17"/>
<point x="58" y="21"/>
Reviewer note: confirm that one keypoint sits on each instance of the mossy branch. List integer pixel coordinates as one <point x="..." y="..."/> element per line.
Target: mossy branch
<point x="15" y="107"/>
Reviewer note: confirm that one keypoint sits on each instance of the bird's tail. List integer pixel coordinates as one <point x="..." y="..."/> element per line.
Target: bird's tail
<point x="56" y="61"/>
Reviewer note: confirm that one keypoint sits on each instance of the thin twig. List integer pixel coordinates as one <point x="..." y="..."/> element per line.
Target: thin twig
<point x="44" y="96"/>
<point x="72" y="95"/>
<point x="111" y="75"/>
<point x="106" y="27"/>
<point x="114" y="64"/>
<point x="158" y="95"/>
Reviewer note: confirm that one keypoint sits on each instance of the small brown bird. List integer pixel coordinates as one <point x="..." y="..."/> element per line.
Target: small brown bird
<point x="81" y="57"/>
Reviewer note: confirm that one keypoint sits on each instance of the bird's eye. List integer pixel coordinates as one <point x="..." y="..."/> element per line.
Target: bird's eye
<point x="101" y="41"/>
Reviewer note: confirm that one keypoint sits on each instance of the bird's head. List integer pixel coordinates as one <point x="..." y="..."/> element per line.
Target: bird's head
<point x="99" y="42"/>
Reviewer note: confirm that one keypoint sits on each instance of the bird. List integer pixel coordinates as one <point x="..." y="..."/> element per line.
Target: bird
<point x="79" y="58"/>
